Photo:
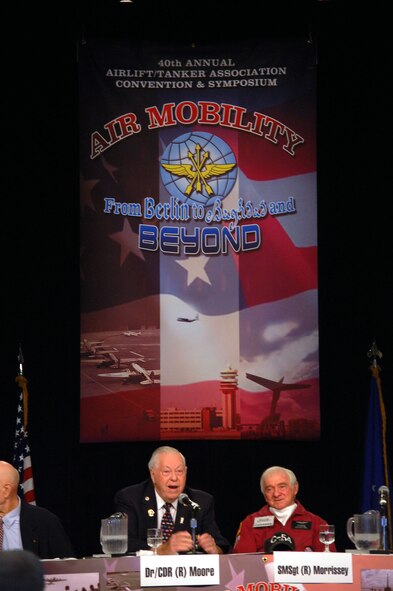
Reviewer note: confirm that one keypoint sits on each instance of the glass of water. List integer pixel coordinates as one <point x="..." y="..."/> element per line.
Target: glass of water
<point x="154" y="538"/>
<point x="326" y="535"/>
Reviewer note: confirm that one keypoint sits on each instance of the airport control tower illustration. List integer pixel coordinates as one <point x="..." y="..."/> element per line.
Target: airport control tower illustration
<point x="228" y="387"/>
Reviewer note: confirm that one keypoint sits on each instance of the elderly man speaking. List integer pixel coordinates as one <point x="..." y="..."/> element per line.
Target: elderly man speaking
<point x="165" y="501"/>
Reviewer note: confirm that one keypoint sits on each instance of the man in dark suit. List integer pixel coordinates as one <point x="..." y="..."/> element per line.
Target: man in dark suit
<point x="26" y="526"/>
<point x="193" y="515"/>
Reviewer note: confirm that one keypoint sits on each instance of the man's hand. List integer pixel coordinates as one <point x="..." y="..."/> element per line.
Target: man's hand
<point x="207" y="543"/>
<point x="180" y="541"/>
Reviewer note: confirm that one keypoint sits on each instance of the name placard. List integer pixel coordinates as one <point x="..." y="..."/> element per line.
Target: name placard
<point x="312" y="567"/>
<point x="181" y="569"/>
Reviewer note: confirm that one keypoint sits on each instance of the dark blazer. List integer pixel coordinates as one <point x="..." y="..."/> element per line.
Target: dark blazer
<point x="43" y="533"/>
<point x="139" y="502"/>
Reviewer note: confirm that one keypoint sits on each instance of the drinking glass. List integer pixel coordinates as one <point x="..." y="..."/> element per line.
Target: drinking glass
<point x="154" y="538"/>
<point x="326" y="535"/>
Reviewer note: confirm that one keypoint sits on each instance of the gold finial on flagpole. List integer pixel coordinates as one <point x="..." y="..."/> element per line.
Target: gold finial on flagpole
<point x="22" y="383"/>
<point x="20" y="360"/>
<point x="373" y="353"/>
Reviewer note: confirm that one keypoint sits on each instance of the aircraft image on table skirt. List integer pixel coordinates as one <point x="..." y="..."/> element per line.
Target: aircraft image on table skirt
<point x="140" y="375"/>
<point x="185" y="319"/>
<point x="272" y="422"/>
<point x="132" y="333"/>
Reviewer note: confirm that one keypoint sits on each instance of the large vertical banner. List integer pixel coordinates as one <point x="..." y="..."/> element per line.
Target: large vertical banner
<point x="199" y="286"/>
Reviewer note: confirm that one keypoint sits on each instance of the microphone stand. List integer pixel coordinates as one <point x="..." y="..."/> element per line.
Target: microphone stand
<point x="193" y="525"/>
<point x="384" y="527"/>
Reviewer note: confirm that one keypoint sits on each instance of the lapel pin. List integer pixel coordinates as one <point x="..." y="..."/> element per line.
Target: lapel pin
<point x="151" y="512"/>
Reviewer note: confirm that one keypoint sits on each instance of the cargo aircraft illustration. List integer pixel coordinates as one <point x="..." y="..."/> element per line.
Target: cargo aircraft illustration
<point x="185" y="319"/>
<point x="272" y="423"/>
<point x="275" y="387"/>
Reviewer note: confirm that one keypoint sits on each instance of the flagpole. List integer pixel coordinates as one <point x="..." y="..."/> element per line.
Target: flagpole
<point x="22" y="383"/>
<point x="384" y="504"/>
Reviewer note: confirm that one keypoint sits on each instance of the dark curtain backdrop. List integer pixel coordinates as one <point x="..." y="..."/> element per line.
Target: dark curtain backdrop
<point x="40" y="260"/>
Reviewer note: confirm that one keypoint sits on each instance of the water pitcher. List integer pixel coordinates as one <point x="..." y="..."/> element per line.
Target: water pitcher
<point x="114" y="534"/>
<point x="364" y="530"/>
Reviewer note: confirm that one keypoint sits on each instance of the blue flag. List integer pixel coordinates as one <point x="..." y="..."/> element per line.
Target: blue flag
<point x="376" y="468"/>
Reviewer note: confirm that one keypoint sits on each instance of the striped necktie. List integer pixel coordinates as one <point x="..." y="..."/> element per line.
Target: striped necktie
<point x="1" y="534"/>
<point x="167" y="524"/>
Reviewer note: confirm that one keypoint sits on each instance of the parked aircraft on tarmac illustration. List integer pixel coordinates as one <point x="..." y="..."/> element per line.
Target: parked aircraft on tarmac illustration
<point x="138" y="376"/>
<point x="148" y="373"/>
<point x="95" y="348"/>
<point x="89" y="347"/>
<point x="118" y="362"/>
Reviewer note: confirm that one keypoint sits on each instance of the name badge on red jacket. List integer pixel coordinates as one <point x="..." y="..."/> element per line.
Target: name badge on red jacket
<point x="301" y="524"/>
<point x="266" y="521"/>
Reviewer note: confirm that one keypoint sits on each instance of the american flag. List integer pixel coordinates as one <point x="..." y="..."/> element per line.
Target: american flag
<point x="22" y="458"/>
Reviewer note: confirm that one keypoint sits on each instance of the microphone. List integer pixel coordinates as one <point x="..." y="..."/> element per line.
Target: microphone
<point x="383" y="496"/>
<point x="186" y="501"/>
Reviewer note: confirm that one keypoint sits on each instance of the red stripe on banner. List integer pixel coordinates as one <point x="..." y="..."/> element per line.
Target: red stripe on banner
<point x="262" y="159"/>
<point x="279" y="269"/>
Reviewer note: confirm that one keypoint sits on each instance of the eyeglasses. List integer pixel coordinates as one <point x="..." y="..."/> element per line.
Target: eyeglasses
<point x="178" y="472"/>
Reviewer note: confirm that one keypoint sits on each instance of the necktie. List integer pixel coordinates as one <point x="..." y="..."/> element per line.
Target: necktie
<point x="1" y="534"/>
<point x="167" y="524"/>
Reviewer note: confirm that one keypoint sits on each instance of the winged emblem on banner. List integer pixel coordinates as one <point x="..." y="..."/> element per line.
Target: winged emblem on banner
<point x="198" y="171"/>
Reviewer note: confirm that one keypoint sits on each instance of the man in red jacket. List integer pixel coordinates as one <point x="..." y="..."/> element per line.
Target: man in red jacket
<point x="283" y="523"/>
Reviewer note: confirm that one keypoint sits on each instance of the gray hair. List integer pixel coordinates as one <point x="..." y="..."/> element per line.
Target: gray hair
<point x="164" y="449"/>
<point x="272" y="469"/>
